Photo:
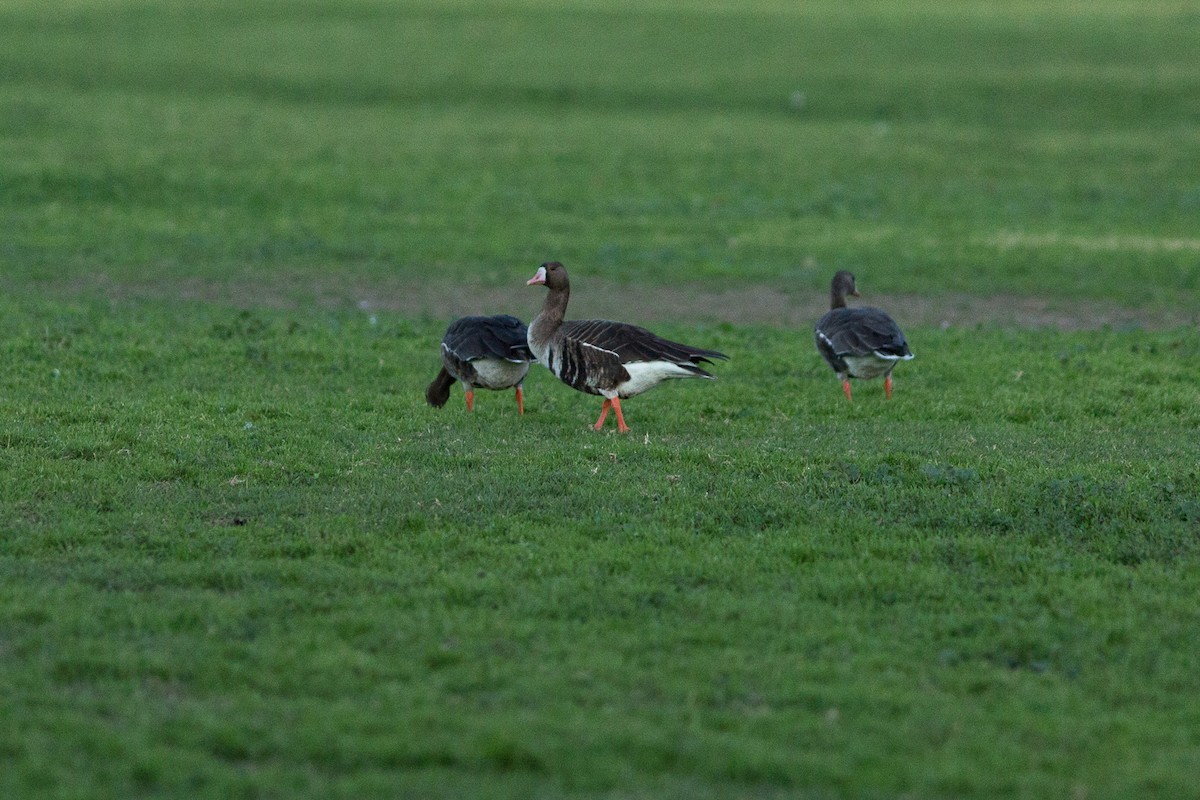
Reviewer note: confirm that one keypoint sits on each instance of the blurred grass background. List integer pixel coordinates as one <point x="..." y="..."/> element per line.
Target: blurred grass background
<point x="289" y="150"/>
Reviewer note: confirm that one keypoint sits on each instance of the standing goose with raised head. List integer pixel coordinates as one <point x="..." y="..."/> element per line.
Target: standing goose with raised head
<point x="484" y="353"/>
<point x="861" y="342"/>
<point x="596" y="356"/>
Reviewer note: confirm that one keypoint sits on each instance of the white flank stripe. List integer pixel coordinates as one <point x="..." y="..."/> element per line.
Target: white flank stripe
<point x="645" y="375"/>
<point x="601" y="349"/>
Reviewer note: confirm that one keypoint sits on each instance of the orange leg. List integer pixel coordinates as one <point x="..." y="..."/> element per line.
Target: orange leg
<point x="520" y="401"/>
<point x="603" y="414"/>
<point x="621" y="426"/>
<point x="887" y="386"/>
<point x="470" y="399"/>
<point x="846" y="389"/>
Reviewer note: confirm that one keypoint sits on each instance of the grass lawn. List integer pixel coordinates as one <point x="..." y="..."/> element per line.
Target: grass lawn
<point x="240" y="557"/>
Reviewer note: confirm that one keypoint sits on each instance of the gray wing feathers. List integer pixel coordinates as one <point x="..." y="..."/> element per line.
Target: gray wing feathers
<point x="500" y="336"/>
<point x="591" y="353"/>
<point x="860" y="332"/>
<point x="630" y="343"/>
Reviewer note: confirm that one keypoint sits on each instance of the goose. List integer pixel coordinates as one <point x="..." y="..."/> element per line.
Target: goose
<point x="862" y="342"/>
<point x="596" y="356"/>
<point x="484" y="353"/>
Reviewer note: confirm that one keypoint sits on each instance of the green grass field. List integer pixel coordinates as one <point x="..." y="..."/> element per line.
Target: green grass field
<point x="240" y="557"/>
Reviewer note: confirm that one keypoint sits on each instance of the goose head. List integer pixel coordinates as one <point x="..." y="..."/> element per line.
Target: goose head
<point x="843" y="285"/>
<point x="552" y="274"/>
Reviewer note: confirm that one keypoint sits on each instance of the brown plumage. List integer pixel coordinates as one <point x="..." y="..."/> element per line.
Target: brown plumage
<point x="862" y="342"/>
<point x="612" y="359"/>
<point x="482" y="352"/>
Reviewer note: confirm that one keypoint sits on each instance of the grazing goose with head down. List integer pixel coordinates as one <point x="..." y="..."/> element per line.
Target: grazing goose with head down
<point x="862" y="342"/>
<point x="597" y="356"/>
<point x="484" y="353"/>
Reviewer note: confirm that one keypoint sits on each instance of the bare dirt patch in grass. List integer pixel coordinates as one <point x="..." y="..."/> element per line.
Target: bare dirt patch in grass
<point x="595" y="297"/>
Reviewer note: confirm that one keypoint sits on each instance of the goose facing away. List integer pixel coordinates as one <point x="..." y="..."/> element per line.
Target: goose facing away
<point x="484" y="353"/>
<point x="861" y="342"/>
<point x="611" y="359"/>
